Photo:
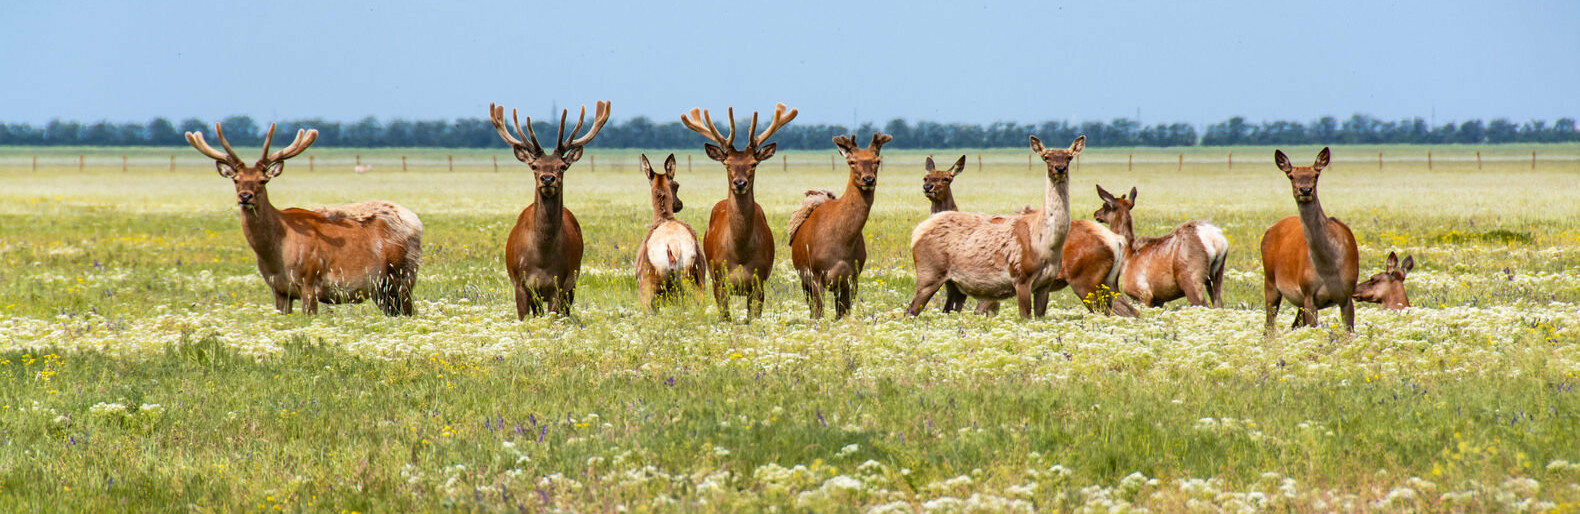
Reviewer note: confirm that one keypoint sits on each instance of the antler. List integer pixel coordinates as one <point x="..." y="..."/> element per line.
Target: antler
<point x="600" y="116"/>
<point x="527" y="141"/>
<point x="779" y="121"/>
<point x="304" y="139"/>
<point x="229" y="157"/>
<point x="700" y="118"/>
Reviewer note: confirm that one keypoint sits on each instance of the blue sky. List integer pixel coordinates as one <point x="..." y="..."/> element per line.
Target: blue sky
<point x="838" y="62"/>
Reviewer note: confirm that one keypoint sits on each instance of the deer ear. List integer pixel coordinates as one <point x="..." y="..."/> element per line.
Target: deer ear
<point x="572" y="155"/>
<point x="669" y="166"/>
<point x="1078" y="145"/>
<point x="1393" y="261"/>
<point x="880" y="139"/>
<point x="767" y="151"/>
<point x="714" y="152"/>
<point x="1036" y="145"/>
<point x="846" y="144"/>
<point x="1409" y="264"/>
<point x="647" y="167"/>
<point x="1322" y="159"/>
<point x="1104" y="194"/>
<point x="960" y="166"/>
<point x="1132" y="195"/>
<point x="929" y="166"/>
<point x="1282" y="161"/>
<point x="225" y="170"/>
<point x="522" y="154"/>
<point x="274" y="169"/>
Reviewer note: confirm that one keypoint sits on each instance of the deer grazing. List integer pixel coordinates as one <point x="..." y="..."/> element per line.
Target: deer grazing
<point x="669" y="255"/>
<point x="544" y="251"/>
<point x="826" y="243"/>
<point x="996" y="257"/>
<point x="1387" y="288"/>
<point x="1187" y="262"/>
<point x="1310" y="259"/>
<point x="342" y="254"/>
<point x="738" y="244"/>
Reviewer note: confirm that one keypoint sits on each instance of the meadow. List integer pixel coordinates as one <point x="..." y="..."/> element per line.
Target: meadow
<point x="143" y="366"/>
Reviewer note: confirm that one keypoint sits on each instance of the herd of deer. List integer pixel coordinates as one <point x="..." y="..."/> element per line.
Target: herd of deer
<point x="348" y="253"/>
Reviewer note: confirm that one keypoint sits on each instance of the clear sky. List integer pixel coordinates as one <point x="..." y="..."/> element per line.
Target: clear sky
<point x="838" y="62"/>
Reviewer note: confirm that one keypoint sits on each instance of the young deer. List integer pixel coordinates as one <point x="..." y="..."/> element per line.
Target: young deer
<point x="935" y="185"/>
<point x="826" y="244"/>
<point x="543" y="253"/>
<point x="669" y="255"/>
<point x="996" y="257"/>
<point x="1187" y="262"/>
<point x="1310" y="259"/>
<point x="738" y="244"/>
<point x="342" y="254"/>
<point x="1387" y="288"/>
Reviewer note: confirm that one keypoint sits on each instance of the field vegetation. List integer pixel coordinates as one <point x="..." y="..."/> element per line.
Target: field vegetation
<point x="142" y="365"/>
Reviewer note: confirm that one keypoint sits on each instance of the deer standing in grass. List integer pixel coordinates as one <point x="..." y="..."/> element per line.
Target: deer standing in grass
<point x="1186" y="263"/>
<point x="669" y="255"/>
<point x="341" y="254"/>
<point x="543" y="254"/>
<point x="996" y="257"/>
<point x="1387" y="288"/>
<point x="826" y="243"/>
<point x="738" y="244"/>
<point x="1309" y="259"/>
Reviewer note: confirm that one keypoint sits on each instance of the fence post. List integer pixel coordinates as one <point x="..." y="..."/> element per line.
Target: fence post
<point x="1028" y="163"/>
<point x="784" y="163"/>
<point x="1429" y="160"/>
<point x="172" y="162"/>
<point x="35" y="162"/>
<point x="82" y="162"/>
<point x="123" y="163"/>
<point x="496" y="164"/>
<point x="1231" y="161"/>
<point x="403" y="163"/>
<point x="359" y="159"/>
<point x="1478" y="159"/>
<point x="979" y="162"/>
<point x="688" y="163"/>
<point x="1182" y="163"/>
<point x="451" y="159"/>
<point x="1130" y="164"/>
<point x="831" y="163"/>
<point x="312" y="163"/>
<point x="1379" y="160"/>
<point x="1533" y="160"/>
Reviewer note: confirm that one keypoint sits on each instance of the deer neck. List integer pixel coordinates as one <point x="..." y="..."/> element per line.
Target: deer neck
<point x="264" y="227"/>
<point x="945" y="203"/>
<point x="548" y="218"/>
<point x="742" y="210"/>
<point x="1123" y="225"/>
<point x="1325" y="254"/>
<point x="851" y="210"/>
<point x="661" y="213"/>
<point x="1055" y="215"/>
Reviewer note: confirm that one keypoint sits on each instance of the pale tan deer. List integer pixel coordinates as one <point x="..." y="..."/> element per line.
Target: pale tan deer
<point x="1310" y="259"/>
<point x="826" y="244"/>
<point x="342" y="254"/>
<point x="1387" y="288"/>
<point x="543" y="253"/>
<point x="669" y="256"/>
<point x="996" y="257"/>
<point x="738" y="244"/>
<point x="1186" y="263"/>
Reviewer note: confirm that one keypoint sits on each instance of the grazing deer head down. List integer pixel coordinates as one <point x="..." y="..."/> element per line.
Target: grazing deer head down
<point x="935" y="185"/>
<point x="1387" y="288"/>
<point x="741" y="165"/>
<point x="250" y="181"/>
<point x="863" y="162"/>
<point x="1303" y="179"/>
<point x="549" y="168"/>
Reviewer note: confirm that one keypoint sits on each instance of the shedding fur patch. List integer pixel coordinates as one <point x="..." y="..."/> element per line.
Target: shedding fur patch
<point x="672" y="247"/>
<point x="404" y="226"/>
<point x="1214" y="242"/>
<point x="814" y="198"/>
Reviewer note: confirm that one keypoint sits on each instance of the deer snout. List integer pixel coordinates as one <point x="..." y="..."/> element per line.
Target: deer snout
<point x="927" y="188"/>
<point x="547" y="180"/>
<point x="244" y="198"/>
<point x="740" y="184"/>
<point x="869" y="181"/>
<point x="1305" y="191"/>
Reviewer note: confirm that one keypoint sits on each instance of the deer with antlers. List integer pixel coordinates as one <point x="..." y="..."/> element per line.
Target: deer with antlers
<point x="1387" y="288"/>
<point x="342" y="254"/>
<point x="997" y="257"/>
<point x="826" y="244"/>
<point x="1186" y="263"/>
<point x="669" y="255"/>
<point x="1309" y="259"/>
<point x="544" y="251"/>
<point x="738" y="244"/>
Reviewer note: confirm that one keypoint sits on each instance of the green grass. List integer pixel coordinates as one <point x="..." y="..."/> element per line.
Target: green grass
<point x="123" y="290"/>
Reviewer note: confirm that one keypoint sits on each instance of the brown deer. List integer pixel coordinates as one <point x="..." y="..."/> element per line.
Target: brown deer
<point x="341" y="254"/>
<point x="669" y="255"/>
<point x="1186" y="263"/>
<point x="543" y="254"/>
<point x="738" y="244"/>
<point x="1387" y="288"/>
<point x="826" y="244"/>
<point x="996" y="257"/>
<point x="935" y="185"/>
<point x="1310" y="259"/>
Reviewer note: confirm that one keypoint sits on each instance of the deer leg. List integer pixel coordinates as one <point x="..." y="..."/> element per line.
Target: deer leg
<point x="721" y="296"/>
<point x="926" y="285"/>
<point x="1273" y="299"/>
<point x="1216" y="288"/>
<point x="523" y="301"/>
<point x="1309" y="311"/>
<point x="953" y="298"/>
<point x="987" y="307"/>
<point x="645" y="293"/>
<point x="1121" y="307"/>
<point x="754" y="299"/>
<point x="309" y="299"/>
<point x="814" y="295"/>
<point x="1348" y="309"/>
<point x="1023" y="298"/>
<point x="1039" y="303"/>
<point x="1195" y="290"/>
<point x="844" y="293"/>
<point x="282" y="302"/>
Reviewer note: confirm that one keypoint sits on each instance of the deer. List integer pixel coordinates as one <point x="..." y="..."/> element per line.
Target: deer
<point x="826" y="243"/>
<point x="1387" y="288"/>
<point x="738" y="243"/>
<point x="333" y="255"/>
<point x="997" y="257"/>
<point x="935" y="184"/>
<point x="543" y="253"/>
<point x="1186" y="263"/>
<point x="669" y="256"/>
<point x="1309" y="259"/>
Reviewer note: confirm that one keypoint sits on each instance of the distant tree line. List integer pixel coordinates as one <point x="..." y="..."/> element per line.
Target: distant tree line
<point x="640" y="132"/>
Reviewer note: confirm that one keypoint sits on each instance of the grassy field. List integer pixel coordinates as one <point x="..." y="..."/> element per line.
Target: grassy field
<point x="142" y="365"/>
